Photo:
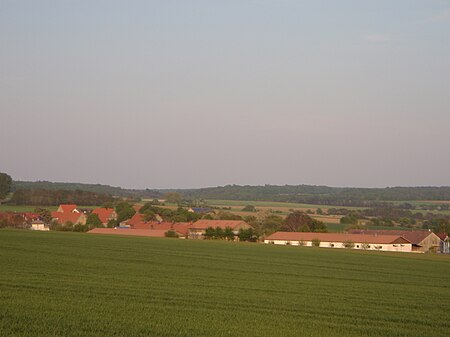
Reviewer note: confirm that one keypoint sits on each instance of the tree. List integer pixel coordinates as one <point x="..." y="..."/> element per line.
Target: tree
<point x="124" y="211"/>
<point x="348" y="244"/>
<point x="218" y="233"/>
<point x="247" y="235"/>
<point x="5" y="185"/>
<point x="149" y="216"/>
<point x="44" y="214"/>
<point x="209" y="233"/>
<point x="349" y="220"/>
<point x="228" y="234"/>
<point x="93" y="221"/>
<point x="173" y="197"/>
<point x="319" y="211"/>
<point x="249" y="208"/>
<point x="170" y="234"/>
<point x="315" y="243"/>
<point x="298" y="221"/>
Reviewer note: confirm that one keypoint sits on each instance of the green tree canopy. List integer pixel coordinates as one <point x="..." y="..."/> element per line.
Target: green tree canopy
<point x="5" y="185"/>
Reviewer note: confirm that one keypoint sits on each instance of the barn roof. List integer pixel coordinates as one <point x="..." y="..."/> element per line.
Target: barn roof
<point x="129" y="231"/>
<point x="203" y="224"/>
<point x="415" y="237"/>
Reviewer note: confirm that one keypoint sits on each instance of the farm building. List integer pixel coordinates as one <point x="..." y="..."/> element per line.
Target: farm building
<point x="422" y="241"/>
<point x="133" y="232"/>
<point x="198" y="228"/>
<point x="180" y="227"/>
<point x="105" y="214"/>
<point x="392" y="243"/>
<point x="39" y="226"/>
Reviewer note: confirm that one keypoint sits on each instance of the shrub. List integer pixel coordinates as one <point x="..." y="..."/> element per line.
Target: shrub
<point x="171" y="234"/>
<point x="348" y="244"/>
<point x="315" y="242"/>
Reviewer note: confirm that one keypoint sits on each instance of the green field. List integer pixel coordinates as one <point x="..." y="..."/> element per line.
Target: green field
<point x="19" y="208"/>
<point x="270" y="204"/>
<point x="71" y="284"/>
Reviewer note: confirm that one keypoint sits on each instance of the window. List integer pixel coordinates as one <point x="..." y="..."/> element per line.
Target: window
<point x="357" y="246"/>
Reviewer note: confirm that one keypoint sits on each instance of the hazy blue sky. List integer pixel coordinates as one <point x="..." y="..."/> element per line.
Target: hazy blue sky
<point x="205" y="93"/>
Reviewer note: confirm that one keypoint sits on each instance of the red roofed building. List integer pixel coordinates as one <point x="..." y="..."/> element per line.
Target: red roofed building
<point x="422" y="240"/>
<point x="69" y="213"/>
<point x="130" y="231"/>
<point x="105" y="214"/>
<point x="198" y="228"/>
<point x="392" y="243"/>
<point x="179" y="227"/>
<point x="136" y="219"/>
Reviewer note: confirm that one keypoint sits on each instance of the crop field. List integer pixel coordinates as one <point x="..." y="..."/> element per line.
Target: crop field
<point x="72" y="284"/>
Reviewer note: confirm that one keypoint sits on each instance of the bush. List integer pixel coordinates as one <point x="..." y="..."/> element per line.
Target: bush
<point x="249" y="208"/>
<point x="315" y="243"/>
<point x="171" y="234"/>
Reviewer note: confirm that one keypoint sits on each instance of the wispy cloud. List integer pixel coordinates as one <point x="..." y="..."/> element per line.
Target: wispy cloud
<point x="376" y="38"/>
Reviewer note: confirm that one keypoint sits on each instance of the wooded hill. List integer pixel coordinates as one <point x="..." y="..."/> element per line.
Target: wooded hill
<point x="322" y="195"/>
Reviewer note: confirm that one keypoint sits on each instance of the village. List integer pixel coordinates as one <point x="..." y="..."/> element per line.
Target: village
<point x="415" y="241"/>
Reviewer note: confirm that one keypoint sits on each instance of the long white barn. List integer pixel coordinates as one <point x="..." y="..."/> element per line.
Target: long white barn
<point x="391" y="243"/>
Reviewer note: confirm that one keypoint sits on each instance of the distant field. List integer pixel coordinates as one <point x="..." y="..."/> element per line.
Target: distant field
<point x="71" y="284"/>
<point x="10" y="208"/>
<point x="269" y="204"/>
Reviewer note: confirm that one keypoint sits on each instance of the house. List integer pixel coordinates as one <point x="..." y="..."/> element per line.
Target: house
<point x="129" y="231"/>
<point x="422" y="240"/>
<point x="445" y="243"/>
<point x="198" y="228"/>
<point x="105" y="214"/>
<point x="391" y="243"/>
<point x="39" y="226"/>
<point x="136" y="219"/>
<point x="69" y="213"/>
<point x="68" y="208"/>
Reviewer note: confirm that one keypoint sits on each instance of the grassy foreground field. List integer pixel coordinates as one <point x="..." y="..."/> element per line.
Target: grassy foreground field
<point x="71" y="284"/>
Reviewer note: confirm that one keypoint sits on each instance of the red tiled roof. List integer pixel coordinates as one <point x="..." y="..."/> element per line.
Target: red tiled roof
<point x="129" y="231"/>
<point x="30" y="215"/>
<point x="336" y="237"/>
<point x="415" y="237"/>
<point x="62" y="218"/>
<point x="136" y="219"/>
<point x="104" y="214"/>
<point x="68" y="208"/>
<point x="180" y="227"/>
<point x="203" y="224"/>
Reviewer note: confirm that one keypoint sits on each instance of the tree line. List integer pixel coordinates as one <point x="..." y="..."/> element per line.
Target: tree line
<point x="56" y="197"/>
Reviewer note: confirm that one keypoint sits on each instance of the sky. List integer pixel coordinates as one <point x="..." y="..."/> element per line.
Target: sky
<point x="183" y="94"/>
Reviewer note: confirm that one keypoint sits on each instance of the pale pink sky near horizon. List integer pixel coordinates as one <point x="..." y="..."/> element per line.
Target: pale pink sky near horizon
<point x="165" y="94"/>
